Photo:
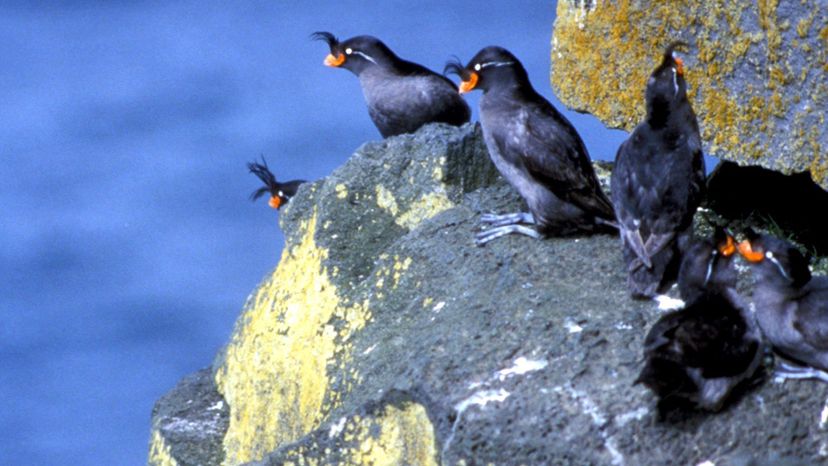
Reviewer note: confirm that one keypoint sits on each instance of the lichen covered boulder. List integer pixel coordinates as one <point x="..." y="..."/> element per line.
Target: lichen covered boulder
<point x="757" y="71"/>
<point x="385" y="336"/>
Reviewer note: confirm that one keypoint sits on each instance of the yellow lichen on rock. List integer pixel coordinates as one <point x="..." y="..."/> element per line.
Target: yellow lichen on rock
<point x="274" y="374"/>
<point x="412" y="214"/>
<point x="427" y="206"/>
<point x="750" y="70"/>
<point x="401" y="435"/>
<point x="159" y="453"/>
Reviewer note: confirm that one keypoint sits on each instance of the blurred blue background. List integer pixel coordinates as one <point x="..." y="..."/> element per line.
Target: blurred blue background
<point x="128" y="244"/>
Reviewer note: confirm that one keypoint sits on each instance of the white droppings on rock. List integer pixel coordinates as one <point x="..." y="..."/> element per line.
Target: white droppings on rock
<point x="706" y="463"/>
<point x="337" y="427"/>
<point x="623" y="419"/>
<point x="666" y="303"/>
<point x="216" y="407"/>
<point x="823" y="417"/>
<point x="573" y="327"/>
<point x="369" y="349"/>
<point x="437" y="307"/>
<point x="522" y="366"/>
<point x="481" y="398"/>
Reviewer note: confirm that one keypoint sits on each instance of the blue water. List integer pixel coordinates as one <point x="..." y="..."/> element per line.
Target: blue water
<point x="128" y="244"/>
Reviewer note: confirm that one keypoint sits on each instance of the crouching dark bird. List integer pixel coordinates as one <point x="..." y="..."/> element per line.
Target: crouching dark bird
<point x="536" y="149"/>
<point x="658" y="182"/>
<point x="402" y="96"/>
<point x="280" y="193"/>
<point x="791" y="305"/>
<point x="699" y="354"/>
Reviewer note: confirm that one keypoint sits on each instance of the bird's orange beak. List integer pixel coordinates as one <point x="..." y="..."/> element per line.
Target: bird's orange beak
<point x="466" y="86"/>
<point x="334" y="61"/>
<point x="746" y="250"/>
<point x="679" y="66"/>
<point x="728" y="248"/>
<point x="275" y="202"/>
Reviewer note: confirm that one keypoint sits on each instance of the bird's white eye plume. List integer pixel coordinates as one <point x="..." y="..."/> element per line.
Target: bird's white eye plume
<point x="477" y="67"/>
<point x="349" y="50"/>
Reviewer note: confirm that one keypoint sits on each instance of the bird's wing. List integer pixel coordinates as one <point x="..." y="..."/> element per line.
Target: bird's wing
<point x="627" y="197"/>
<point x="811" y="318"/>
<point x="554" y="154"/>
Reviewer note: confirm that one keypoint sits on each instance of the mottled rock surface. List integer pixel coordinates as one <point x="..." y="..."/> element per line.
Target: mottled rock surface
<point x="757" y="71"/>
<point x="385" y="336"/>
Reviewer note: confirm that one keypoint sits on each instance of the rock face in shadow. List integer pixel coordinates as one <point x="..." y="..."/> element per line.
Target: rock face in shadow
<point x="385" y="336"/>
<point x="757" y="72"/>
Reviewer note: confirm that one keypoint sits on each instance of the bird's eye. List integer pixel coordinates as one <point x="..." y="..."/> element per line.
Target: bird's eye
<point x="280" y="193"/>
<point x="349" y="50"/>
<point x="477" y="67"/>
<point x="769" y="255"/>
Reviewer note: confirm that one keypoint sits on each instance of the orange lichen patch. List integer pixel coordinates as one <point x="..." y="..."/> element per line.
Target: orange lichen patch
<point x="728" y="248"/>
<point x="746" y="250"/>
<point x="334" y="61"/>
<point x="466" y="86"/>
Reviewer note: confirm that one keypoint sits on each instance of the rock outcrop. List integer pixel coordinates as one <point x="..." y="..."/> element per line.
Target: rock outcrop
<point x="385" y="336"/>
<point x="757" y="71"/>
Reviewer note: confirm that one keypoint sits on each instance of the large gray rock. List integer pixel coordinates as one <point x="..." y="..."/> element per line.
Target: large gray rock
<point x="757" y="71"/>
<point x="387" y="337"/>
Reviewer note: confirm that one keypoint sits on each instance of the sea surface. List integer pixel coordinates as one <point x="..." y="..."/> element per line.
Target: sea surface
<point x="128" y="243"/>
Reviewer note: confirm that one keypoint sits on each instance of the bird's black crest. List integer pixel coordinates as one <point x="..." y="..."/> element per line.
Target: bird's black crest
<point x="263" y="173"/>
<point x="668" y="52"/>
<point x="331" y="39"/>
<point x="455" y="66"/>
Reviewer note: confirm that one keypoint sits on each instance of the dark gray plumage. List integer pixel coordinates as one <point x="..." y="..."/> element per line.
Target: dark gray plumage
<point x="536" y="149"/>
<point x="658" y="182"/>
<point x="703" y="351"/>
<point x="280" y="193"/>
<point x="791" y="305"/>
<point x="401" y="96"/>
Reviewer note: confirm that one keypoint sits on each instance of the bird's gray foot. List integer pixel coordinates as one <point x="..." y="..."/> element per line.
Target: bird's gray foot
<point x="493" y="233"/>
<point x="789" y="371"/>
<point x="498" y="220"/>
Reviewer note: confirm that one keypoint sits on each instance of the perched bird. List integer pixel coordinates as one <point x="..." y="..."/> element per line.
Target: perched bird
<point x="402" y="96"/>
<point x="536" y="149"/>
<point x="702" y="352"/>
<point x="791" y="305"/>
<point x="280" y="193"/>
<point x="658" y="182"/>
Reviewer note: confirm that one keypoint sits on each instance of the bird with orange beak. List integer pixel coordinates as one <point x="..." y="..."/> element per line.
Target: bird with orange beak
<point x="658" y="181"/>
<point x="703" y="351"/>
<point x="401" y="96"/>
<point x="280" y="193"/>
<point x="536" y="149"/>
<point x="791" y="305"/>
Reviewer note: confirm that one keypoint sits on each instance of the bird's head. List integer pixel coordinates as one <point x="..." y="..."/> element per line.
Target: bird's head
<point x="492" y="67"/>
<point x="666" y="83"/>
<point x="355" y="54"/>
<point x="777" y="260"/>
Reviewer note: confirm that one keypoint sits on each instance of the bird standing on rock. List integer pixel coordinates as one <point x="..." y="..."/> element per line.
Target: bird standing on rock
<point x="280" y="193"/>
<point x="402" y="96"/>
<point x="791" y="305"/>
<point x="702" y="352"/>
<point x="536" y="149"/>
<point x="658" y="182"/>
